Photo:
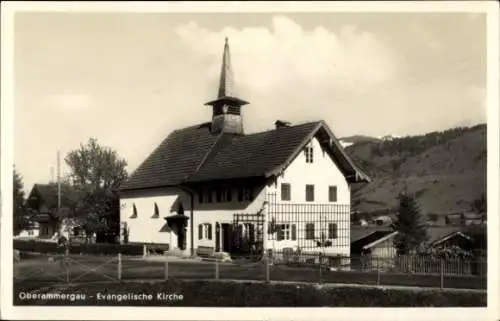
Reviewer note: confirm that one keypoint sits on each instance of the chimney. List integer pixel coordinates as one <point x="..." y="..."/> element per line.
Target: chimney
<point x="281" y="123"/>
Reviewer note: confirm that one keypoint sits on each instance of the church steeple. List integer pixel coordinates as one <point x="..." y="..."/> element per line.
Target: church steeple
<point x="226" y="116"/>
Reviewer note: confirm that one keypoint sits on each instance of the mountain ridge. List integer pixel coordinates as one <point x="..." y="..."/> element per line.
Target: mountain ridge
<point x="445" y="170"/>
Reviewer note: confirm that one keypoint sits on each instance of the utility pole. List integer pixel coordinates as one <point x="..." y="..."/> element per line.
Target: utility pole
<point x="61" y="226"/>
<point x="58" y="182"/>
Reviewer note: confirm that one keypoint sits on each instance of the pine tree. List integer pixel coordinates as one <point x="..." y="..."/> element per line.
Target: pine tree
<point x="410" y="224"/>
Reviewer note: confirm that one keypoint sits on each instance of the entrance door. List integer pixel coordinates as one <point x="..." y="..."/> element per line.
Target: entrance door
<point x="217" y="237"/>
<point x="226" y="238"/>
<point x="181" y="238"/>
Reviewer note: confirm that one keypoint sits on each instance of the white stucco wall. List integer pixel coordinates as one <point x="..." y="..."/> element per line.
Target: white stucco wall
<point x="28" y="233"/>
<point x="144" y="228"/>
<point x="322" y="173"/>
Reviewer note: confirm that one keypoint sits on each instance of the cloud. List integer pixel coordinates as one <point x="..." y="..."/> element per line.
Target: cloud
<point x="71" y="102"/>
<point x="287" y="55"/>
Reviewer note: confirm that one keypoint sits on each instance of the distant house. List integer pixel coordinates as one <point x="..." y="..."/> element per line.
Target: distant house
<point x="43" y="201"/>
<point x="30" y="231"/>
<point x="372" y="247"/>
<point x="378" y="243"/>
<point x="467" y="238"/>
<point x="464" y="219"/>
<point x="472" y="219"/>
<point x="363" y="222"/>
<point x="383" y="220"/>
<point x="453" y="239"/>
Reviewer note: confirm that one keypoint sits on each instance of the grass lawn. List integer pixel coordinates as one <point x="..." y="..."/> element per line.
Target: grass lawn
<point x="246" y="294"/>
<point x="41" y="270"/>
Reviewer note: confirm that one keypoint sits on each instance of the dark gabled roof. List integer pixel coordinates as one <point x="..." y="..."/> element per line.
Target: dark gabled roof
<point x="194" y="155"/>
<point x="372" y="239"/>
<point x="47" y="194"/>
<point x="178" y="156"/>
<point x="359" y="232"/>
<point x="237" y="156"/>
<point x="451" y="235"/>
<point x="437" y="232"/>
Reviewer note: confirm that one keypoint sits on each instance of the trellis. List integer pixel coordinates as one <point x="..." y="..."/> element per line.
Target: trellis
<point x="309" y="225"/>
<point x="248" y="233"/>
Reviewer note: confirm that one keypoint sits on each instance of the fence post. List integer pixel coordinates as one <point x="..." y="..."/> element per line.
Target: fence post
<point x="144" y="250"/>
<point x="320" y="267"/>
<point x="267" y="267"/>
<point x="216" y="268"/>
<point x="442" y="273"/>
<point x="66" y="264"/>
<point x="119" y="266"/>
<point x="166" y="271"/>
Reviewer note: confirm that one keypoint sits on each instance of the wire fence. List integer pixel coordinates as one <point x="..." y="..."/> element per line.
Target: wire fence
<point x="42" y="270"/>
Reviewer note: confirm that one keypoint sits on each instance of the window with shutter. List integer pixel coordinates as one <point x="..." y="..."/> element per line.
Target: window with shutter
<point x="200" y="231"/>
<point x="285" y="192"/>
<point x="240" y="194"/>
<point x="309" y="193"/>
<point x="310" y="231"/>
<point x="281" y="233"/>
<point x="286" y="232"/>
<point x="332" y="231"/>
<point x="200" y="197"/>
<point x="294" y="232"/>
<point x="209" y="231"/>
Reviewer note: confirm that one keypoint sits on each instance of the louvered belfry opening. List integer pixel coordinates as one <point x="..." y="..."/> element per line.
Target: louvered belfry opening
<point x="226" y="115"/>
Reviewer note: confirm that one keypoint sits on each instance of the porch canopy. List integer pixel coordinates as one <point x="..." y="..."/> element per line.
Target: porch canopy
<point x="176" y="219"/>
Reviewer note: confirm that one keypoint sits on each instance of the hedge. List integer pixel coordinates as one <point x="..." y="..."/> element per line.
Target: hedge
<point x="248" y="294"/>
<point x="78" y="248"/>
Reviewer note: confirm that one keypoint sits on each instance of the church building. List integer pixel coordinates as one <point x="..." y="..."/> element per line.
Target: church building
<point x="213" y="186"/>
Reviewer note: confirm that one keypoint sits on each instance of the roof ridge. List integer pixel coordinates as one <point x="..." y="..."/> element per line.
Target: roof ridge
<point x="292" y="126"/>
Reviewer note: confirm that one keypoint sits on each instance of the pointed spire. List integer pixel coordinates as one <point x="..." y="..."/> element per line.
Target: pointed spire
<point x="226" y="74"/>
<point x="226" y="81"/>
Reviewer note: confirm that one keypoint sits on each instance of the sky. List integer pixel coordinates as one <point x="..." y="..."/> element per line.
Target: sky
<point x="129" y="79"/>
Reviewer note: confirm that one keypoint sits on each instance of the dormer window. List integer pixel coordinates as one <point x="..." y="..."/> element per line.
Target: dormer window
<point x="309" y="153"/>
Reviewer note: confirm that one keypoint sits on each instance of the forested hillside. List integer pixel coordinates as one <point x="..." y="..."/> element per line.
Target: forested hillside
<point x="446" y="170"/>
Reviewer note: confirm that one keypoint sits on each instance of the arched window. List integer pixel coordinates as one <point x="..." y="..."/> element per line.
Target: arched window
<point x="156" y="212"/>
<point x="134" y="211"/>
